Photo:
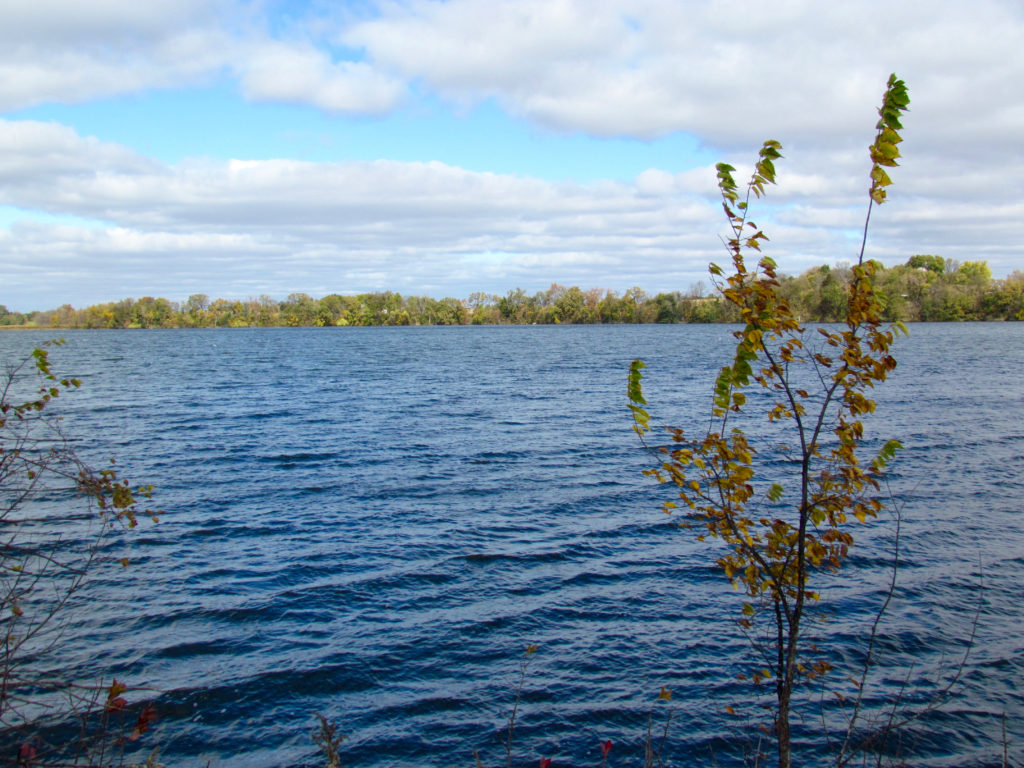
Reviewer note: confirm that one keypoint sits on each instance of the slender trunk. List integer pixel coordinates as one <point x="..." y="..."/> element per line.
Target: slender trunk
<point x="784" y="694"/>
<point x="783" y="678"/>
<point x="782" y="726"/>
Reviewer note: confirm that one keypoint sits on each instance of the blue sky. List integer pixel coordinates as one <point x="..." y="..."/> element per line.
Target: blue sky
<point x="248" y="147"/>
<point x="215" y="121"/>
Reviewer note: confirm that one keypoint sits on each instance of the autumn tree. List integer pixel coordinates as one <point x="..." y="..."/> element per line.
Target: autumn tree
<point x="514" y="305"/>
<point x="783" y="528"/>
<point x="55" y="512"/>
<point x="570" y="307"/>
<point x="195" y="310"/>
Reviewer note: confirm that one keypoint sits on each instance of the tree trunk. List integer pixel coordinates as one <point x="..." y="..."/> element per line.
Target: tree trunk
<point x="782" y="726"/>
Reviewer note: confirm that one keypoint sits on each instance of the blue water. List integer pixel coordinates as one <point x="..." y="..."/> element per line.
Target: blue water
<point x="374" y="523"/>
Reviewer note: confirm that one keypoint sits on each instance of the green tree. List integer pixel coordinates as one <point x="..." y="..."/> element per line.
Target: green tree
<point x="831" y="299"/>
<point x="670" y="308"/>
<point x="711" y="309"/>
<point x="781" y="529"/>
<point x="1006" y="300"/>
<point x="451" y="311"/>
<point x="609" y="309"/>
<point x="514" y="305"/>
<point x="483" y="308"/>
<point x="975" y="274"/>
<point x="149" y="312"/>
<point x="634" y="303"/>
<point x="904" y="287"/>
<point x="300" y="310"/>
<point x="935" y="264"/>
<point x="123" y="313"/>
<point x="570" y="307"/>
<point x="265" y="311"/>
<point x="10" y="318"/>
<point x="331" y="309"/>
<point x="195" y="310"/>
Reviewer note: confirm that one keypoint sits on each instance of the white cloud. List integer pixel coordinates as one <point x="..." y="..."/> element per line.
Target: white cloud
<point x="728" y="72"/>
<point x="30" y="75"/>
<point x="304" y="225"/>
<point x="68" y="51"/>
<point x="484" y="47"/>
<point x="34" y="152"/>
<point x="71" y="22"/>
<point x="731" y="74"/>
<point x="235" y="228"/>
<point x="302" y="74"/>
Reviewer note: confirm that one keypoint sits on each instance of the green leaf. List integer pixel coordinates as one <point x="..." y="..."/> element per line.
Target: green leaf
<point x="888" y="149"/>
<point x="722" y="386"/>
<point x="641" y="419"/>
<point x="886" y="454"/>
<point x="634" y="390"/>
<point x="889" y="136"/>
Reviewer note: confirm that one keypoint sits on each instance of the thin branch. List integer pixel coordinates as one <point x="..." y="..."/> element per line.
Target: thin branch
<point x="872" y="638"/>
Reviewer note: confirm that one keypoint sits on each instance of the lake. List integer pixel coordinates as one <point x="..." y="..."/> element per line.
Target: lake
<point x="374" y="523"/>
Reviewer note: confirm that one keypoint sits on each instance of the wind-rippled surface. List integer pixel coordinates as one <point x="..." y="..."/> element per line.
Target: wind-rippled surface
<point x="373" y="524"/>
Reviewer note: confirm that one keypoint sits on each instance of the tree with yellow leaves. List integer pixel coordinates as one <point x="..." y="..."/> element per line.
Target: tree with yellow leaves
<point x="783" y="528"/>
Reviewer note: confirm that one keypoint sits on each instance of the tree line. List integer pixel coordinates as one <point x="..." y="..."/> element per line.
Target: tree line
<point x="925" y="288"/>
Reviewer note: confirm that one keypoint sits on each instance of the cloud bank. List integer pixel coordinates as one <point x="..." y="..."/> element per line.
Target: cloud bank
<point x="90" y="220"/>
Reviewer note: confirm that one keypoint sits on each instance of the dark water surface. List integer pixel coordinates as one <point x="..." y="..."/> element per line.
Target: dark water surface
<point x="373" y="523"/>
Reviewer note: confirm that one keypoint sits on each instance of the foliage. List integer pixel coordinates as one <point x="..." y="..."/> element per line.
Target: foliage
<point x="781" y="529"/>
<point x="328" y="741"/>
<point x="55" y="511"/>
<point x="935" y="264"/>
<point x="928" y="288"/>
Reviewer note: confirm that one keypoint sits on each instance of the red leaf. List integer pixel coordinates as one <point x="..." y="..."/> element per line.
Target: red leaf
<point x="147" y="716"/>
<point x="116" y="705"/>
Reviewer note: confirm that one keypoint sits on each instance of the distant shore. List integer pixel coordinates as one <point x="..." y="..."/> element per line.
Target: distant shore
<point x="926" y="288"/>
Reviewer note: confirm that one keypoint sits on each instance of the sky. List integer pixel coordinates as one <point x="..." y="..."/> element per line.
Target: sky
<point x="246" y="147"/>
